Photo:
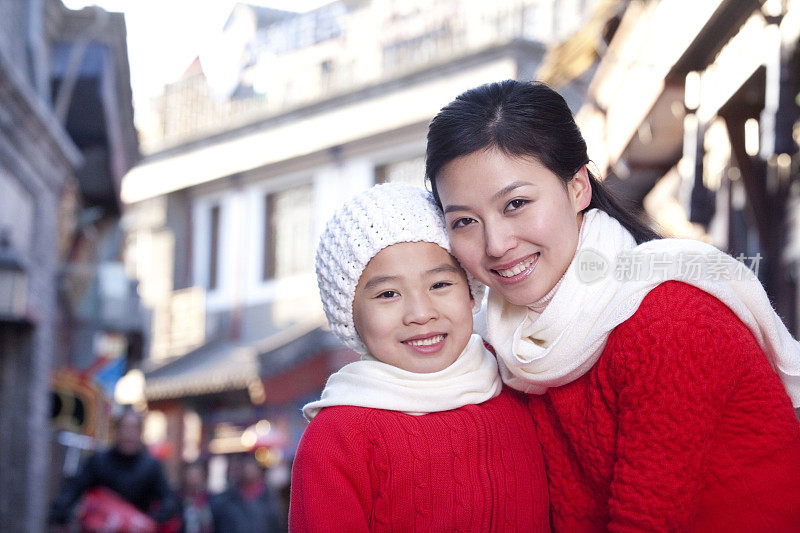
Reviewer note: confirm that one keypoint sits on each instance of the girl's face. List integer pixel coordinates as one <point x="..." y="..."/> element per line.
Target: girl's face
<point x="512" y="222"/>
<point x="412" y="307"/>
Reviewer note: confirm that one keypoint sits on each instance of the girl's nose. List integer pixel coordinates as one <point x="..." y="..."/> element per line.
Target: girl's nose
<point x="419" y="309"/>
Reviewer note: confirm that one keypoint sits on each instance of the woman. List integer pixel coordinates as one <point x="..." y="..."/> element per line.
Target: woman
<point x="656" y="388"/>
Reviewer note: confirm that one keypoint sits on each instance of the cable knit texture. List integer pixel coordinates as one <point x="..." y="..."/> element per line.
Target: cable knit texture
<point x="477" y="468"/>
<point x="681" y="425"/>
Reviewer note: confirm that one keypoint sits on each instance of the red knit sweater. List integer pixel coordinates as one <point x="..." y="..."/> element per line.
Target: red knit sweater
<point x="478" y="468"/>
<point x="682" y="425"/>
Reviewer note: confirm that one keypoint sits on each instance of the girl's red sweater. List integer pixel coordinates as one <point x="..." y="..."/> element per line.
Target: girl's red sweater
<point x="682" y="425"/>
<point x="477" y="468"/>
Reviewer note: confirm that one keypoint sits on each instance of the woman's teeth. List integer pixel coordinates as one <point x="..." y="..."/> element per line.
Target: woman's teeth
<point x="426" y="342"/>
<point x="519" y="267"/>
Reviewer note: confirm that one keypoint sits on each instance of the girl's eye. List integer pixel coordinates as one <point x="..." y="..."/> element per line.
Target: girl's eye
<point x="515" y="204"/>
<point x="387" y="294"/>
<point x="441" y="285"/>
<point x="461" y="222"/>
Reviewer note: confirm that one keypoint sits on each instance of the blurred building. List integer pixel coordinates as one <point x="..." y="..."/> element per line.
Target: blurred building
<point x="258" y="147"/>
<point x="692" y="113"/>
<point x="67" y="312"/>
<point x="266" y="62"/>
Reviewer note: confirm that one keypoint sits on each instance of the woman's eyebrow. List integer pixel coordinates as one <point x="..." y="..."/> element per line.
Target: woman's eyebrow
<point x="510" y="187"/>
<point x="496" y="196"/>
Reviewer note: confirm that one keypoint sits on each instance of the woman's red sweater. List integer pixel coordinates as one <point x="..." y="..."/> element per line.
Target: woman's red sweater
<point x="476" y="468"/>
<point x="682" y="425"/>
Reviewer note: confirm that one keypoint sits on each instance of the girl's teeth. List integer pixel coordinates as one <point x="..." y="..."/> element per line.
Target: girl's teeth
<point x="426" y="342"/>
<point x="518" y="268"/>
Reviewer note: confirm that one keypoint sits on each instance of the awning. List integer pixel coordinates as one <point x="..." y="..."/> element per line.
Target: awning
<point x="230" y="366"/>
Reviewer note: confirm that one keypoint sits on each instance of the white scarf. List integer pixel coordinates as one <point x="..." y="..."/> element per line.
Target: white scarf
<point x="473" y="378"/>
<point x="601" y="289"/>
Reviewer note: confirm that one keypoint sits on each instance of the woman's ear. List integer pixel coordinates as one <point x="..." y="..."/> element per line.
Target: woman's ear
<point x="580" y="190"/>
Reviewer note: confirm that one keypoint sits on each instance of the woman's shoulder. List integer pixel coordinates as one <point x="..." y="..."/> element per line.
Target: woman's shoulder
<point x="682" y="324"/>
<point x="679" y="303"/>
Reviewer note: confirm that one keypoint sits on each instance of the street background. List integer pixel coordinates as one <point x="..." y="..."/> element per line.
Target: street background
<point x="166" y="168"/>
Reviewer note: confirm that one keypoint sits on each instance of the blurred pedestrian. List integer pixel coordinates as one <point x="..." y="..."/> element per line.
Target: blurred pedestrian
<point x="128" y="471"/>
<point x="248" y="505"/>
<point x="197" y="517"/>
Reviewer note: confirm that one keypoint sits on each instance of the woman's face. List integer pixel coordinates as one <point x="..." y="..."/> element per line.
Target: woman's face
<point x="512" y="222"/>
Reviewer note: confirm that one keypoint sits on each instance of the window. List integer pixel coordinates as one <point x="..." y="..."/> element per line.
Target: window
<point x="288" y="233"/>
<point x="267" y="260"/>
<point x="213" y="250"/>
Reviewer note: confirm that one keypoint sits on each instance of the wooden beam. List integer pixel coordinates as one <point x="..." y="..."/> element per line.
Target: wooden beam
<point x="752" y="175"/>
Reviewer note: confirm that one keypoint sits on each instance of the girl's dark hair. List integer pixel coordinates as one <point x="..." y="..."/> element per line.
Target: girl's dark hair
<point x="522" y="119"/>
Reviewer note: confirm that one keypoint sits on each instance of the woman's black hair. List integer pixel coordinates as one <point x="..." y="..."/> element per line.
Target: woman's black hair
<point x="522" y="119"/>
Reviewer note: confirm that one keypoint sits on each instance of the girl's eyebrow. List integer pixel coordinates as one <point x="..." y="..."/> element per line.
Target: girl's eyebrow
<point x="377" y="280"/>
<point x="450" y="208"/>
<point x="444" y="268"/>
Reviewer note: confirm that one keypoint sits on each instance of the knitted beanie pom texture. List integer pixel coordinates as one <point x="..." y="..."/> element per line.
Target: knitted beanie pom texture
<point x="381" y="216"/>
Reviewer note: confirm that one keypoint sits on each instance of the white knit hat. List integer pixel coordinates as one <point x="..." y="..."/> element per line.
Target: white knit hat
<point x="367" y="223"/>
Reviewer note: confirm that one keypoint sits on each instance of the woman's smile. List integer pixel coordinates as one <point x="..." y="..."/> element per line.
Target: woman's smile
<point x="518" y="271"/>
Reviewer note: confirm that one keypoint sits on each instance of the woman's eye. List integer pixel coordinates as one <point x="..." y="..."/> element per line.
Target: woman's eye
<point x="461" y="222"/>
<point x="387" y="294"/>
<point x="441" y="285"/>
<point x="515" y="204"/>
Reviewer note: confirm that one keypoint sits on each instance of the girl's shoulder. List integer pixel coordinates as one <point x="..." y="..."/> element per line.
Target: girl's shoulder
<point x="339" y="417"/>
<point x="352" y="422"/>
<point x="339" y="426"/>
<point x="508" y="405"/>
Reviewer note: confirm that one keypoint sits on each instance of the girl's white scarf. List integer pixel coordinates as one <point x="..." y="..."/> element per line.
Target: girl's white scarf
<point x="608" y="278"/>
<point x="473" y="378"/>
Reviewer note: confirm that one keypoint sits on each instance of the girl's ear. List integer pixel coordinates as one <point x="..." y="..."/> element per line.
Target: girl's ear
<point x="580" y="190"/>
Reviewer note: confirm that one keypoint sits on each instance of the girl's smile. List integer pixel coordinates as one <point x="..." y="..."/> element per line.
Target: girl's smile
<point x="428" y="343"/>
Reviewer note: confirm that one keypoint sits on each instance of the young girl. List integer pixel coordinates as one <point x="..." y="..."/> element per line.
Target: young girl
<point x="655" y="366"/>
<point x="419" y="435"/>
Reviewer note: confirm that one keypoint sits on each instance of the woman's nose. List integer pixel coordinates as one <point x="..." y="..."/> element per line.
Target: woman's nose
<point x="499" y="239"/>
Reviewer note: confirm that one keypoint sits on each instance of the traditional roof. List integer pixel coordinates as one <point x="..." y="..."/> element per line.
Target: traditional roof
<point x="227" y="365"/>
